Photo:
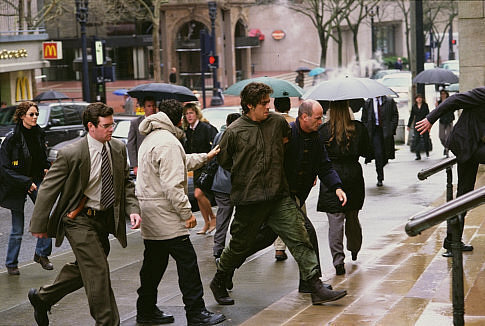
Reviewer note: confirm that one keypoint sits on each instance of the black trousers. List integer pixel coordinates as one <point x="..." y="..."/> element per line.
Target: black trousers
<point x="379" y="152"/>
<point x="155" y="261"/>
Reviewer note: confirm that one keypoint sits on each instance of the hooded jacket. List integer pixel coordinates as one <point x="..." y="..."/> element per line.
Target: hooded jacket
<point x="161" y="183"/>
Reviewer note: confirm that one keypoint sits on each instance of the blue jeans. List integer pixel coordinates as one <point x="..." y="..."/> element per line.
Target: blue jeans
<point x="44" y="245"/>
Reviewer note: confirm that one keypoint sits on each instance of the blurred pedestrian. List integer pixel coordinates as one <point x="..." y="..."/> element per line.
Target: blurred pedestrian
<point x="446" y="122"/>
<point x="161" y="187"/>
<point x="93" y="194"/>
<point x="23" y="164"/>
<point x="398" y="64"/>
<point x="252" y="149"/>
<point x="345" y="140"/>
<point x="172" y="77"/>
<point x="128" y="105"/>
<point x="421" y="142"/>
<point x="200" y="136"/>
<point x="3" y="105"/>
<point x="221" y="187"/>
<point x="134" y="137"/>
<point x="466" y="141"/>
<point x="380" y="117"/>
<point x="300" y="78"/>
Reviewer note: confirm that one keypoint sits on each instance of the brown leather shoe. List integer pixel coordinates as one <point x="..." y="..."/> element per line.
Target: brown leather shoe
<point x="44" y="262"/>
<point x="13" y="270"/>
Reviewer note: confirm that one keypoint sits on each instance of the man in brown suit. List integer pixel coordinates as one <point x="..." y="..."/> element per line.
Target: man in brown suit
<point x="90" y="182"/>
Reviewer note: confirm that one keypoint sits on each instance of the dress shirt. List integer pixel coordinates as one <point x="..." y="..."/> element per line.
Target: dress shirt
<point x="377" y="102"/>
<point x="195" y="125"/>
<point x="93" y="190"/>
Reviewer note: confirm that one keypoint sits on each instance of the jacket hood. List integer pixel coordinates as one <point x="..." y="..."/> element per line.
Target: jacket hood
<point x="159" y="121"/>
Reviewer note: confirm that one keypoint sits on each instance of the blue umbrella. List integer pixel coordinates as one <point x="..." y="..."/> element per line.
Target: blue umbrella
<point x="316" y="71"/>
<point x="121" y="92"/>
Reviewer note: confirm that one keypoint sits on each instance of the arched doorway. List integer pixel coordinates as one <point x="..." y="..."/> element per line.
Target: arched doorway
<point x="188" y="53"/>
<point x="240" y="31"/>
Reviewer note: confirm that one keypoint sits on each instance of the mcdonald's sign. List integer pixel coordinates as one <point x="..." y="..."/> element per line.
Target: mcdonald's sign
<point x="22" y="90"/>
<point x="52" y="50"/>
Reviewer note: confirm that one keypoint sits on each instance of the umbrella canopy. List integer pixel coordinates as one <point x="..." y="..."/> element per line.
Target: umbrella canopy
<point x="281" y="87"/>
<point x="304" y="69"/>
<point x="436" y="76"/>
<point x="162" y="91"/>
<point x="121" y="92"/>
<point x="346" y="89"/>
<point x="50" y="95"/>
<point x="355" y="104"/>
<point x="316" y="71"/>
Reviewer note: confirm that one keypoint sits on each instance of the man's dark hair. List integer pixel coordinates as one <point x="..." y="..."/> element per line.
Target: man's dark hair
<point x="148" y="98"/>
<point x="282" y="104"/>
<point x="231" y="118"/>
<point x="94" y="111"/>
<point x="253" y="94"/>
<point x="173" y="109"/>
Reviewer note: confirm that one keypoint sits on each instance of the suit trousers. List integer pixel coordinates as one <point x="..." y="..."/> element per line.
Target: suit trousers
<point x="379" y="153"/>
<point x="337" y="223"/>
<point x="285" y="219"/>
<point x="88" y="237"/>
<point x="155" y="261"/>
<point x="223" y="219"/>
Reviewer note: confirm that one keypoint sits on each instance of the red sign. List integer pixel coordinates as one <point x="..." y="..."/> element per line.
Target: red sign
<point x="278" y="35"/>
<point x="52" y="50"/>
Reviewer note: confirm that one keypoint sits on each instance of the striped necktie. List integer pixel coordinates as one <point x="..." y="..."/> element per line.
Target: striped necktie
<point x="107" y="192"/>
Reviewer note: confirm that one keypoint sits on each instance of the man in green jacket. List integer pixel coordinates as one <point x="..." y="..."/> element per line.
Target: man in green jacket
<point x="252" y="149"/>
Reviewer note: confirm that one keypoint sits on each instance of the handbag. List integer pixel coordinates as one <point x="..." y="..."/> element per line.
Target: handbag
<point x="207" y="175"/>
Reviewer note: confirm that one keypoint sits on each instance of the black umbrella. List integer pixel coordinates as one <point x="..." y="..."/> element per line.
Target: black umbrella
<point x="436" y="76"/>
<point x="50" y="95"/>
<point x="162" y="91"/>
<point x="304" y="69"/>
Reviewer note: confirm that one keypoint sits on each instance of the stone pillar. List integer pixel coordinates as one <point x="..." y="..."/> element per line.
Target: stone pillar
<point x="471" y="43"/>
<point x="229" y="61"/>
<point x="246" y="63"/>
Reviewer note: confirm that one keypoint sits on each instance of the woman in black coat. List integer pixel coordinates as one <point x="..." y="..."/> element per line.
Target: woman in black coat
<point x="418" y="112"/>
<point x="346" y="140"/>
<point x="23" y="164"/>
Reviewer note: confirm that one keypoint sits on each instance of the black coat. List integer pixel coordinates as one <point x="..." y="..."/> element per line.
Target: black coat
<point x="346" y="163"/>
<point x="418" y="114"/>
<point x="469" y="131"/>
<point x="390" y="118"/>
<point x="200" y="139"/>
<point x="15" y="164"/>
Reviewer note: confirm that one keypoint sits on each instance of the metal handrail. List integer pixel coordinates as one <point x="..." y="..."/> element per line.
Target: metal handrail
<point x="425" y="220"/>
<point x="425" y="173"/>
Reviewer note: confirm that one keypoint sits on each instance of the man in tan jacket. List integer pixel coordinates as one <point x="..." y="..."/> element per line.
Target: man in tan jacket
<point x="161" y="189"/>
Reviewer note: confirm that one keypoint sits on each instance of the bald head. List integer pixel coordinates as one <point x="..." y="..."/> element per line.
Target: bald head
<point x="310" y="114"/>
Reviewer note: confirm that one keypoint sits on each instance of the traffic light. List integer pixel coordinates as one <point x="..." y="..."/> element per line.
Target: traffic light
<point x="213" y="61"/>
<point x="453" y="42"/>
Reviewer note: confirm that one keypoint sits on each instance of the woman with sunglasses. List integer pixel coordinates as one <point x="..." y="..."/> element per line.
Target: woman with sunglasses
<point x="23" y="164"/>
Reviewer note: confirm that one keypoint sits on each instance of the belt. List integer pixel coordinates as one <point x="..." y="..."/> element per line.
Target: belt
<point x="91" y="212"/>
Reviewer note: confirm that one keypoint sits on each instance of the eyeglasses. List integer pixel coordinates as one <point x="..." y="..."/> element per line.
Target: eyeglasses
<point x="31" y="114"/>
<point x="109" y="125"/>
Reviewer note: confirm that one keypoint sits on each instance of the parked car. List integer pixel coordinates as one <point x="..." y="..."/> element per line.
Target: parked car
<point x="453" y="65"/>
<point x="400" y="83"/>
<point x="383" y="72"/>
<point x="217" y="115"/>
<point x="60" y="121"/>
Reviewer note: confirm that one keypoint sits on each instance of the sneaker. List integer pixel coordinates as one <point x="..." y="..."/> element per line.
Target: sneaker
<point x="44" y="262"/>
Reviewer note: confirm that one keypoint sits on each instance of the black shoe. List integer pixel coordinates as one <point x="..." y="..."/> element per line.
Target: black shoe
<point x="354" y="256"/>
<point x="320" y="294"/>
<point x="417" y="158"/>
<point x="447" y="254"/>
<point x="280" y="255"/>
<point x="218" y="288"/>
<point x="465" y="247"/>
<point x="229" y="284"/>
<point x="44" y="262"/>
<point x="13" y="270"/>
<point x="154" y="317"/>
<point x="40" y="308"/>
<point x="305" y="286"/>
<point x="340" y="269"/>
<point x="205" y="317"/>
<point x="379" y="183"/>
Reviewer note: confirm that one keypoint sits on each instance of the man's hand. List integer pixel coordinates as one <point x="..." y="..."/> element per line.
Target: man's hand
<point x="40" y="235"/>
<point x="423" y="126"/>
<point x="213" y="152"/>
<point x="341" y="196"/>
<point x="135" y="170"/>
<point x="32" y="188"/>
<point x="191" y="222"/>
<point x="135" y="221"/>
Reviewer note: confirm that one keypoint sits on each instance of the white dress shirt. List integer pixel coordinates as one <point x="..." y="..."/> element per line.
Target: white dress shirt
<point x="93" y="190"/>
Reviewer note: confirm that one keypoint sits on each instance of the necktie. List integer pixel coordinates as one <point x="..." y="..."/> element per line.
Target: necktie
<point x="107" y="192"/>
<point x="379" y="112"/>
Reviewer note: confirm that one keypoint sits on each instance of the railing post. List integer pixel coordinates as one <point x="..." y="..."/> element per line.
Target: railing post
<point x="457" y="273"/>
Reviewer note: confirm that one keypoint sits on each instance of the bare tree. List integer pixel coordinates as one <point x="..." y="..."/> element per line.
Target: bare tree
<point x="28" y="15"/>
<point x="405" y="8"/>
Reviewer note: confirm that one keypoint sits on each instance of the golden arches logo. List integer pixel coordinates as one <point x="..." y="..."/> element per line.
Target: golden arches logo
<point x="50" y="51"/>
<point x="22" y="91"/>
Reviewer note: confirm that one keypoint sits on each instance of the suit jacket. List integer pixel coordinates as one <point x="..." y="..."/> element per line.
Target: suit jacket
<point x="66" y="181"/>
<point x="469" y="131"/>
<point x="390" y="118"/>
<point x="134" y="140"/>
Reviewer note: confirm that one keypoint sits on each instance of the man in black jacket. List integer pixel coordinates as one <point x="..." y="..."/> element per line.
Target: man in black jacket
<point x="466" y="141"/>
<point x="380" y="116"/>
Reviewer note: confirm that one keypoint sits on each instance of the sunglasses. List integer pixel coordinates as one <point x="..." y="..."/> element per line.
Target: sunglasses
<point x="31" y="114"/>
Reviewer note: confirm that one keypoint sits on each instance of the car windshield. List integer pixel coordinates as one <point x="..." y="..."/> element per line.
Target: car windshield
<point x="451" y="66"/>
<point x="6" y="116"/>
<point x="396" y="82"/>
<point x="122" y="129"/>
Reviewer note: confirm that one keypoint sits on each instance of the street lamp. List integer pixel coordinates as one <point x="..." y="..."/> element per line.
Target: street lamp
<point x="216" y="96"/>
<point x="372" y="14"/>
<point x="82" y="18"/>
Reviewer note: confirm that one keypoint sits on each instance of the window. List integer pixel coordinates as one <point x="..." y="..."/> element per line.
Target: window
<point x="57" y="113"/>
<point x="386" y="40"/>
<point x="72" y="116"/>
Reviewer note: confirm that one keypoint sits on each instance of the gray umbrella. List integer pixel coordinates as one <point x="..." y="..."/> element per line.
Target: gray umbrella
<point x="162" y="91"/>
<point x="346" y="89"/>
<point x="436" y="76"/>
